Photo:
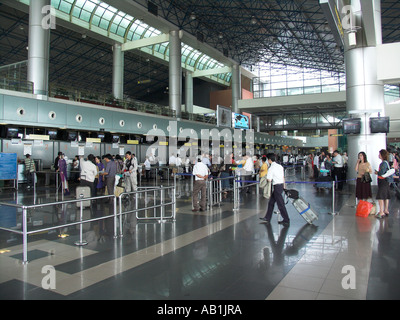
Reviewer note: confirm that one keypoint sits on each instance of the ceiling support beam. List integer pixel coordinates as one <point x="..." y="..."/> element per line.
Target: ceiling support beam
<point x="131" y="45"/>
<point x="210" y="72"/>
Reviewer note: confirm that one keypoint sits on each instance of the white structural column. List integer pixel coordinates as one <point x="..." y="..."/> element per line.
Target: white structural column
<point x="118" y="71"/>
<point x="39" y="45"/>
<point x="365" y="94"/>
<point x="175" y="72"/>
<point x="236" y="87"/>
<point x="189" y="91"/>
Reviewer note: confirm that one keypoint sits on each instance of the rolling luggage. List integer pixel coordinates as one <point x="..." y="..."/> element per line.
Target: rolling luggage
<point x="85" y="193"/>
<point x="302" y="207"/>
<point x="305" y="210"/>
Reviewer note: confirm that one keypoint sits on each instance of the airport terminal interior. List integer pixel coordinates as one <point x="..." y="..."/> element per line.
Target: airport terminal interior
<point x="159" y="91"/>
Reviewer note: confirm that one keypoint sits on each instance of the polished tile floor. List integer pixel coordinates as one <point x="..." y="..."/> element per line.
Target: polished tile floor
<point x="219" y="254"/>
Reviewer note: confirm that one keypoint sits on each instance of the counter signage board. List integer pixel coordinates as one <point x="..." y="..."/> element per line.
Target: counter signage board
<point x="8" y="166"/>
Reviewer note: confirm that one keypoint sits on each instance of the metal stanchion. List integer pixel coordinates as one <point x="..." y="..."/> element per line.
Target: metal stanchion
<point x="115" y="218"/>
<point x="210" y="193"/>
<point x="121" y="234"/>
<point x="235" y="195"/>
<point x="81" y="242"/>
<point x="162" y="220"/>
<point x="333" y="199"/>
<point x="174" y="203"/>
<point x="24" y="235"/>
<point x="220" y="191"/>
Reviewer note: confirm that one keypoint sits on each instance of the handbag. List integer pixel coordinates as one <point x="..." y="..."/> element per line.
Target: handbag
<point x="366" y="178"/>
<point x="363" y="208"/>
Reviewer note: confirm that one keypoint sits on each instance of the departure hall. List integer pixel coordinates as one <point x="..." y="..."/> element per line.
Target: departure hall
<point x="215" y="151"/>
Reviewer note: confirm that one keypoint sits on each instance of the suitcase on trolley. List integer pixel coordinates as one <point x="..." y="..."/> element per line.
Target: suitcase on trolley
<point x="304" y="209"/>
<point x="323" y="182"/>
<point x="83" y="192"/>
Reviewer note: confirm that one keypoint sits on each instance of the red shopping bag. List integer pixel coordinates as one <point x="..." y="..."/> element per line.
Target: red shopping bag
<point x="363" y="208"/>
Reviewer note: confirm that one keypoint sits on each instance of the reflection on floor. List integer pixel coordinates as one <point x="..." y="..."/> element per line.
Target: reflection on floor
<point x="219" y="254"/>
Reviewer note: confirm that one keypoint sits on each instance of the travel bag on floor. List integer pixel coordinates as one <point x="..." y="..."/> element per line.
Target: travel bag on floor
<point x="363" y="208"/>
<point x="84" y="192"/>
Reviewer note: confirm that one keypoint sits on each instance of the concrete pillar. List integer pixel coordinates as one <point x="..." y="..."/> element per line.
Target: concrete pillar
<point x="236" y="87"/>
<point x="39" y="46"/>
<point x="118" y="71"/>
<point x="189" y="91"/>
<point x="365" y="94"/>
<point x="175" y="72"/>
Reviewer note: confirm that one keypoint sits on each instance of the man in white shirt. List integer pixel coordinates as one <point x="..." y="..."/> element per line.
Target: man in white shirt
<point x="147" y="166"/>
<point x="316" y="165"/>
<point x="248" y="169"/>
<point x="130" y="172"/>
<point x="276" y="175"/>
<point x="88" y="173"/>
<point x="200" y="172"/>
<point x="172" y="164"/>
<point x="172" y="160"/>
<point x="338" y="169"/>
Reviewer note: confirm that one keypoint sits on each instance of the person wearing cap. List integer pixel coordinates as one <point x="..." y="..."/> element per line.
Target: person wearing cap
<point x="200" y="172"/>
<point x="29" y="170"/>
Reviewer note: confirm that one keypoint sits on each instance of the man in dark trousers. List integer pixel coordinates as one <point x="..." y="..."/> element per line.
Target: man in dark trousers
<point x="109" y="173"/>
<point x="276" y="175"/>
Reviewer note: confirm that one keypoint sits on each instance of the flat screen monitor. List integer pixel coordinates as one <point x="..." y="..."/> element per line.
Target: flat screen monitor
<point x="101" y="136"/>
<point x="72" y="136"/>
<point x="52" y="134"/>
<point x="12" y="133"/>
<point x="379" y="125"/>
<point x="115" y="139"/>
<point x="240" y="121"/>
<point x="352" y="126"/>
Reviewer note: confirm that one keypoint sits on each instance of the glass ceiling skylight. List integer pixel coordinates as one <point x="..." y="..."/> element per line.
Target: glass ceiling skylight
<point x="103" y="18"/>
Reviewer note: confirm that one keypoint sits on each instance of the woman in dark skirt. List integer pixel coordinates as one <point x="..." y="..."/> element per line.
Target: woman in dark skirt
<point x="383" y="194"/>
<point x="363" y="189"/>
